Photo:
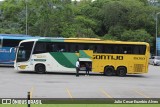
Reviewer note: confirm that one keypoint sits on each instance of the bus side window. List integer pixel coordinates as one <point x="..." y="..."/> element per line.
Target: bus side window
<point x="129" y="50"/>
<point x="92" y="47"/>
<point x="86" y="47"/>
<point x="40" y="48"/>
<point x="142" y="49"/>
<point x="72" y="48"/>
<point x="51" y="48"/>
<point x="107" y="49"/>
<point x="10" y="42"/>
<point x="110" y="49"/>
<point x="99" y="48"/>
<point x="139" y="49"/>
<point x="54" y="48"/>
<point x="76" y="48"/>
<point x="80" y="47"/>
<point x="95" y="49"/>
<point x="61" y="48"/>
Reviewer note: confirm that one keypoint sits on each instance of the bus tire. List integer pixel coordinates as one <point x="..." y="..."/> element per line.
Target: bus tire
<point x="40" y="68"/>
<point x="121" y="71"/>
<point x="108" y="71"/>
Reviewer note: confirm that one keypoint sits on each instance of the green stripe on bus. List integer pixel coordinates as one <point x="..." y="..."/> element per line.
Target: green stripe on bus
<point x="51" y="40"/>
<point x="65" y="59"/>
<point x="72" y="57"/>
<point x="83" y="54"/>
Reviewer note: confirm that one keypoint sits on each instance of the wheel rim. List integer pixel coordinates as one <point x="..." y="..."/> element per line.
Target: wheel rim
<point x="40" y="69"/>
<point x="108" y="71"/>
<point x="122" y="72"/>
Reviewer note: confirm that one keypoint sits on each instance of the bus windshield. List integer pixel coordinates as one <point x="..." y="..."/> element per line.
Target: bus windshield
<point x="24" y="51"/>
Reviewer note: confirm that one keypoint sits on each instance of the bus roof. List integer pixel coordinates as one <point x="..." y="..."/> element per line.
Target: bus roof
<point x="17" y="36"/>
<point x="83" y="40"/>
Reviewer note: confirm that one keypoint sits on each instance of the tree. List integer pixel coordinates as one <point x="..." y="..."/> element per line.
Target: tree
<point x="140" y="35"/>
<point x="9" y="23"/>
<point x="108" y="19"/>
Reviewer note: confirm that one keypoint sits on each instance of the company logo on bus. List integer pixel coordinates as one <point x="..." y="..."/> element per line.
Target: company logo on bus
<point x="108" y="57"/>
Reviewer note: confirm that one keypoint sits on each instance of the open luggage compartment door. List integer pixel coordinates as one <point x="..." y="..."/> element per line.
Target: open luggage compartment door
<point x="85" y="56"/>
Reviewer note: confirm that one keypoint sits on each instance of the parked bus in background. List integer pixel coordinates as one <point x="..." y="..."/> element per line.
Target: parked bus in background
<point x="107" y="57"/>
<point x="8" y="42"/>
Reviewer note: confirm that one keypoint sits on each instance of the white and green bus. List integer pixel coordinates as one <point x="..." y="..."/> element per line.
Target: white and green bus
<point x="61" y="54"/>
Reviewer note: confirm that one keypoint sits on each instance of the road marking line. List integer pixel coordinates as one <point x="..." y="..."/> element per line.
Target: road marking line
<point x="105" y="93"/>
<point x="69" y="93"/>
<point x="140" y="93"/>
<point x="31" y="92"/>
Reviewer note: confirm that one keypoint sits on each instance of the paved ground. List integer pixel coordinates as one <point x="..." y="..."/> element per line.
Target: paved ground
<point x="53" y="85"/>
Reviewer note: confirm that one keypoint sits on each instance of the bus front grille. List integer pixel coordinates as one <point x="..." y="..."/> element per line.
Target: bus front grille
<point x="138" y="67"/>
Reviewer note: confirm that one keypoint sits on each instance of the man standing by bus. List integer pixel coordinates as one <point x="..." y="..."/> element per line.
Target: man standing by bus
<point x="77" y="68"/>
<point x="87" y="69"/>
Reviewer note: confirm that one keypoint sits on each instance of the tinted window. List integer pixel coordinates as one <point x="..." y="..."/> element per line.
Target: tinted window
<point x="139" y="49"/>
<point x="73" y="47"/>
<point x="42" y="47"/>
<point x="10" y="42"/>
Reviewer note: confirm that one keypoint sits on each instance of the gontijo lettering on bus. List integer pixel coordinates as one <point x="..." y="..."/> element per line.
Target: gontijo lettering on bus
<point x="108" y="57"/>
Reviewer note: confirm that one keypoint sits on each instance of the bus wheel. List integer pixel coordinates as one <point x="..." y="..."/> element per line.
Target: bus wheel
<point x="108" y="71"/>
<point x="40" y="69"/>
<point x="121" y="71"/>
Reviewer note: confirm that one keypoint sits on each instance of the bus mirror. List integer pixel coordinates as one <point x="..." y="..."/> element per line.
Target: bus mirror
<point x="16" y="48"/>
<point x="10" y="51"/>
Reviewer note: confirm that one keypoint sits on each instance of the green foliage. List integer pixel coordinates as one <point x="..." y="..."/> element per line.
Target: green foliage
<point x="108" y="37"/>
<point x="138" y="35"/>
<point x="116" y="31"/>
<point x="107" y="19"/>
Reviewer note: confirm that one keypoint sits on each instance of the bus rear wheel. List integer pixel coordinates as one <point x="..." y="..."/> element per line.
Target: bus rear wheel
<point x="108" y="71"/>
<point x="40" y="69"/>
<point x="121" y="71"/>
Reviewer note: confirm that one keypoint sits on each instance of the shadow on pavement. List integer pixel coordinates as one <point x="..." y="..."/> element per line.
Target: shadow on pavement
<point x="82" y="74"/>
<point x="58" y="73"/>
